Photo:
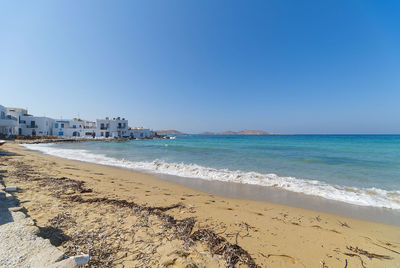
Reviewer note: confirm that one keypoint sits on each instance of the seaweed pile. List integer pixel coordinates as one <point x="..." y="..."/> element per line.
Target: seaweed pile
<point x="232" y="253"/>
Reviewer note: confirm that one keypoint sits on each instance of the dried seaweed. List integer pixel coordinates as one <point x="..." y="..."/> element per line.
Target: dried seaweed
<point x="218" y="245"/>
<point x="122" y="203"/>
<point x="368" y="254"/>
<point x="232" y="253"/>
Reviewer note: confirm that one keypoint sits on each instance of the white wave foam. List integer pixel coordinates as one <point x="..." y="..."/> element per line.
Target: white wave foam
<point x="365" y="197"/>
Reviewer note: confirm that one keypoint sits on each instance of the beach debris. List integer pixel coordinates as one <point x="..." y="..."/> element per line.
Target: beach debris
<point x="388" y="244"/>
<point x="232" y="253"/>
<point x="11" y="189"/>
<point x="81" y="260"/>
<point x="344" y="224"/>
<point x="368" y="254"/>
<point x="72" y="262"/>
<point x="357" y="252"/>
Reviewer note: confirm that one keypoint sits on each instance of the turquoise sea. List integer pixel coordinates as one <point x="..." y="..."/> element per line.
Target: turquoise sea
<point x="357" y="169"/>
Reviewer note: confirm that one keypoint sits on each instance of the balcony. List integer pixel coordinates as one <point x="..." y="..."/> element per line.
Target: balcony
<point x="30" y="126"/>
<point x="103" y="128"/>
<point x="8" y="123"/>
<point x="10" y="117"/>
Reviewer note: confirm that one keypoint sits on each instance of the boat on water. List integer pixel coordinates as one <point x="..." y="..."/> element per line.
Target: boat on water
<point x="2" y="142"/>
<point x="172" y="137"/>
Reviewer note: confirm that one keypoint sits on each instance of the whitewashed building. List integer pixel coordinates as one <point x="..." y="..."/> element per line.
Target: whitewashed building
<point x="140" y="133"/>
<point x="69" y="128"/>
<point x="30" y="125"/>
<point x="35" y="126"/>
<point x="89" y="128"/>
<point x="112" y="128"/>
<point x="17" y="112"/>
<point x="8" y="122"/>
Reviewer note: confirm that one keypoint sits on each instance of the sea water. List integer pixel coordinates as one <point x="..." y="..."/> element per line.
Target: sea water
<point x="356" y="169"/>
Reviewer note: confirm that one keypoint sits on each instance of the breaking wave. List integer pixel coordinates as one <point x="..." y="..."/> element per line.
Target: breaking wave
<point x="365" y="197"/>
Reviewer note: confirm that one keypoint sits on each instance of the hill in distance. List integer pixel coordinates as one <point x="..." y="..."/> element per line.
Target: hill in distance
<point x="169" y="132"/>
<point x="241" y="132"/>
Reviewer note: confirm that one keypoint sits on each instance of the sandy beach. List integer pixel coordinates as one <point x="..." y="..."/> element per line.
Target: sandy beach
<point x="124" y="218"/>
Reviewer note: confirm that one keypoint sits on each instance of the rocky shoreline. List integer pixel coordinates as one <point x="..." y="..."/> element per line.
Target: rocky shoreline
<point x="21" y="244"/>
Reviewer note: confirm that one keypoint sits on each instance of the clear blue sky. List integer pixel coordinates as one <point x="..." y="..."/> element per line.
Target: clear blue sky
<point x="280" y="66"/>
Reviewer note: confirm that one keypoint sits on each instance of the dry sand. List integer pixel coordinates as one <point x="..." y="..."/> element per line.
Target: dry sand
<point x="125" y="218"/>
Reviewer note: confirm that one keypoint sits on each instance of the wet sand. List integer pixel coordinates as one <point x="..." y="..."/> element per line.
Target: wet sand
<point x="274" y="235"/>
<point x="284" y="197"/>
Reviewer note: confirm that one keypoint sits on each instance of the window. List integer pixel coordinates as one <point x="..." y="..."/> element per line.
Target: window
<point x="62" y="125"/>
<point x="102" y="134"/>
<point x="74" y="126"/>
<point x="56" y="125"/>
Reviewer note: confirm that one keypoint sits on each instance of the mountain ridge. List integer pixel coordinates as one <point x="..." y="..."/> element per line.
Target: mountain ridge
<point x="241" y="132"/>
<point x="169" y="132"/>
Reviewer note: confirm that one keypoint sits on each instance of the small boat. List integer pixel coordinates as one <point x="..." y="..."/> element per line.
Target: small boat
<point x="2" y="142"/>
<point x="172" y="138"/>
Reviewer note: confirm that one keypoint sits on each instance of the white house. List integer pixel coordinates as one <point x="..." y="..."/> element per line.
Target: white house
<point x="69" y="128"/>
<point x="8" y="123"/>
<point x="17" y="112"/>
<point x="140" y="133"/>
<point x="112" y="128"/>
<point x="89" y="128"/>
<point x="35" y="126"/>
<point x="31" y="125"/>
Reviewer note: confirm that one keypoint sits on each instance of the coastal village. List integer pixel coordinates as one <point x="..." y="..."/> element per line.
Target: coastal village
<point x="18" y="122"/>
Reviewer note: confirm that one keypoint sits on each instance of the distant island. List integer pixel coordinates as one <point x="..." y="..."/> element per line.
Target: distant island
<point x="169" y="132"/>
<point x="241" y="132"/>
